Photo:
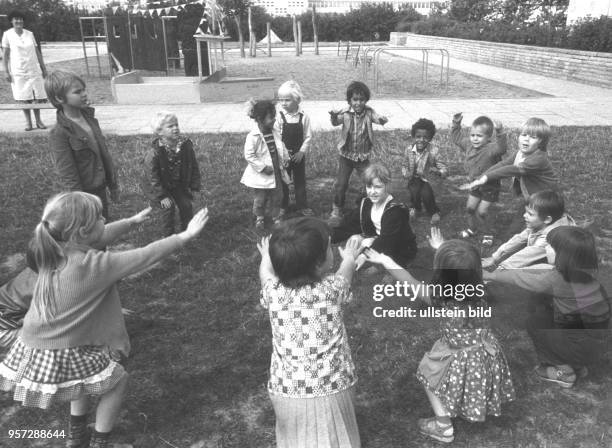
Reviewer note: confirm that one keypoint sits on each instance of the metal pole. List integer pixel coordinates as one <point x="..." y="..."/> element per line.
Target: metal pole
<point x="130" y="37"/>
<point x="108" y="50"/>
<point x="83" y="42"/>
<point x="268" y="27"/>
<point x="295" y="38"/>
<point x="299" y="25"/>
<point x="199" y="49"/>
<point x="314" y="30"/>
<point x="165" y="45"/>
<point x="97" y="52"/>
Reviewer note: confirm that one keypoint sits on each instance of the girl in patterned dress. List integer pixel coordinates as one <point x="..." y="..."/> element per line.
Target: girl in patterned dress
<point x="465" y="373"/>
<point x="312" y="376"/>
<point x="74" y="332"/>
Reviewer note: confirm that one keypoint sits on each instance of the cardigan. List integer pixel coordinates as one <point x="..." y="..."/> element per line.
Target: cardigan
<point x="257" y="155"/>
<point x="396" y="238"/>
<point x="161" y="183"/>
<point x="528" y="247"/>
<point x="535" y="173"/>
<point x="479" y="160"/>
<point x="87" y="307"/>
<point x="81" y="165"/>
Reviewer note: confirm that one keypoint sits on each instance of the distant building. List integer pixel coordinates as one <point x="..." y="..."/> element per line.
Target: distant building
<point x="290" y="7"/>
<point x="581" y="9"/>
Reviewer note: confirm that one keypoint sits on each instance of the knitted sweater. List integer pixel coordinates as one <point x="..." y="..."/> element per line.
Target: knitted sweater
<point x="87" y="307"/>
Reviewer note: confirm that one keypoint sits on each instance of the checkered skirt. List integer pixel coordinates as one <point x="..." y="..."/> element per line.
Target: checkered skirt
<point x="40" y="377"/>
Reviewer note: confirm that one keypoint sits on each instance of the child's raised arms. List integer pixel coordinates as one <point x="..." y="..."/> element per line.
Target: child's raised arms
<point x="348" y="255"/>
<point x="115" y="229"/>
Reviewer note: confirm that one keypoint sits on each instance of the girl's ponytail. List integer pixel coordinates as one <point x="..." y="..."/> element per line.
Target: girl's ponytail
<point x="47" y="255"/>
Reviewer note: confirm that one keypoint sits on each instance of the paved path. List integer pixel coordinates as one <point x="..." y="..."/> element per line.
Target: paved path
<point x="568" y="103"/>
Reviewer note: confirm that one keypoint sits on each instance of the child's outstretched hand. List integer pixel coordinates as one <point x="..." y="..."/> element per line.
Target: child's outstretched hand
<point x="196" y="224"/>
<point x="488" y="263"/>
<point x="499" y="126"/>
<point x="297" y="157"/>
<point x="458" y="117"/>
<point x="383" y="120"/>
<point x="435" y="239"/>
<point x="141" y="217"/>
<point x="375" y="257"/>
<point x="264" y="247"/>
<point x="351" y="249"/>
<point x="268" y="169"/>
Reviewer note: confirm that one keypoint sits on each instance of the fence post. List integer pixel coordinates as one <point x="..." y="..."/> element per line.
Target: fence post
<point x="268" y="28"/>
<point x="297" y="48"/>
<point x="252" y="43"/>
<point x="299" y="26"/>
<point x="314" y="29"/>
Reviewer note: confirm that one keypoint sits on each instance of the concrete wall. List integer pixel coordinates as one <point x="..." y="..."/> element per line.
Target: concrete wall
<point x="573" y="65"/>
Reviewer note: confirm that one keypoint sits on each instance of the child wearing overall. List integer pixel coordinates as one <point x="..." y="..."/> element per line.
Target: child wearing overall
<point x="174" y="171"/>
<point x="312" y="376"/>
<point x="380" y="221"/>
<point x="81" y="157"/>
<point x="356" y="141"/>
<point x="529" y="167"/>
<point x="481" y="153"/>
<point x="420" y="160"/>
<point x="74" y="332"/>
<point x="294" y="127"/>
<point x="466" y="373"/>
<point x="570" y="326"/>
<point x="545" y="212"/>
<point x="267" y="157"/>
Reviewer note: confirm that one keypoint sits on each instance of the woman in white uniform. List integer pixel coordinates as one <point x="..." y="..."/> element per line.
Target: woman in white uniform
<point x="24" y="67"/>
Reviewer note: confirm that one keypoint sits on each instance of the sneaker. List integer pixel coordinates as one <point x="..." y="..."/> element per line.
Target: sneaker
<point x="487" y="240"/>
<point x="307" y="212"/>
<point x="435" y="219"/>
<point x="467" y="233"/>
<point x="259" y="223"/>
<point x="441" y="432"/>
<point x="563" y="375"/>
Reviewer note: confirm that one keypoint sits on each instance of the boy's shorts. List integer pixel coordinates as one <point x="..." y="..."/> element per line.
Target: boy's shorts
<point x="489" y="193"/>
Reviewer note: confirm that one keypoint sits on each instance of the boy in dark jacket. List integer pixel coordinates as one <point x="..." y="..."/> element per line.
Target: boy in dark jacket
<point x="174" y="171"/>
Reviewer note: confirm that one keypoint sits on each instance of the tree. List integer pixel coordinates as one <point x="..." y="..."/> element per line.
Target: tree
<point x="471" y="10"/>
<point x="236" y="9"/>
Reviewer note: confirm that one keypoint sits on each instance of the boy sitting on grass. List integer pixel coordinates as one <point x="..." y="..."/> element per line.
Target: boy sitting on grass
<point x="545" y="211"/>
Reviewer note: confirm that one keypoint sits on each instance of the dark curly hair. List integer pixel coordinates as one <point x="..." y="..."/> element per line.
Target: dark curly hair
<point x="16" y="14"/>
<point x="426" y="124"/>
<point x="357" y="87"/>
<point x="261" y="109"/>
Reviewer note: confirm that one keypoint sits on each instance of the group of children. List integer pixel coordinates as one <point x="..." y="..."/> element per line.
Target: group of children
<point x="69" y="344"/>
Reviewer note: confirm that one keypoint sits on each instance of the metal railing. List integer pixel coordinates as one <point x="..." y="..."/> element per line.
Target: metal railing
<point x="377" y="51"/>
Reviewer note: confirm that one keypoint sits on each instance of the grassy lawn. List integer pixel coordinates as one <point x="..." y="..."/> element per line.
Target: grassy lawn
<point x="399" y="78"/>
<point x="201" y="343"/>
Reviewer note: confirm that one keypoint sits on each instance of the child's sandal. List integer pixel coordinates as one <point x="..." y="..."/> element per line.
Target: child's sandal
<point x="557" y="374"/>
<point x="467" y="233"/>
<point x="432" y="427"/>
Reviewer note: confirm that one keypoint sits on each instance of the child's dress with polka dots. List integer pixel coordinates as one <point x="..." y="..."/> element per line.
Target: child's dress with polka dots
<point x="466" y="368"/>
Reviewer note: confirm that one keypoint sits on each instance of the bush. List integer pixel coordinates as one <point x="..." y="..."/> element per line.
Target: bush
<point x="588" y="35"/>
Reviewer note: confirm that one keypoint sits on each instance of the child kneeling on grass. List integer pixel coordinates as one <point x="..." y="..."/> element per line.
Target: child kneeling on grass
<point x="74" y="333"/>
<point x="570" y="327"/>
<point x="466" y="373"/>
<point x="174" y="171"/>
<point x="420" y="160"/>
<point x="544" y="213"/>
<point x="312" y="376"/>
<point x="380" y="222"/>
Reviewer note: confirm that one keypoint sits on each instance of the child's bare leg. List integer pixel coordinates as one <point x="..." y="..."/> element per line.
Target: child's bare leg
<point x="109" y="406"/>
<point x="80" y="406"/>
<point x="436" y="405"/>
<point x="470" y="208"/>
<point x="482" y="215"/>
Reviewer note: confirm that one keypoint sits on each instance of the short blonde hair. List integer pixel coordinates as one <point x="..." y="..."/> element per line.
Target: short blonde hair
<point x="539" y="128"/>
<point x="377" y="171"/>
<point x="160" y="118"/>
<point x="293" y="89"/>
<point x="57" y="84"/>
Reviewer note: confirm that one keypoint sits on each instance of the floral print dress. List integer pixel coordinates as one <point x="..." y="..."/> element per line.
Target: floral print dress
<point x="467" y="370"/>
